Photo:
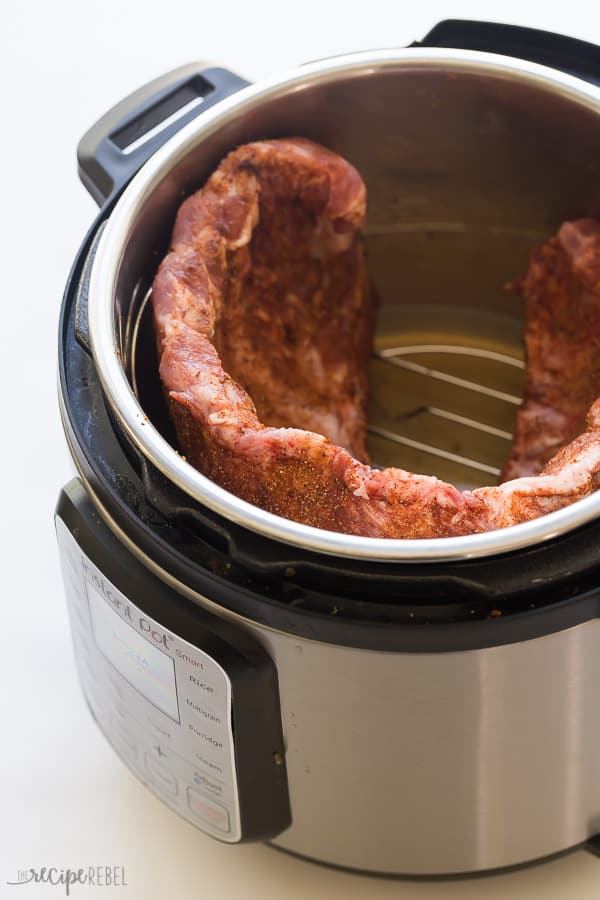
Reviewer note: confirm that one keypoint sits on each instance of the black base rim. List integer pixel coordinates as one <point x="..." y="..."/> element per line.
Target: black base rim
<point x="453" y="876"/>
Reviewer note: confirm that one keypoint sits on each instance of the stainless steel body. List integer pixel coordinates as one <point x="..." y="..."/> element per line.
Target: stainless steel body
<point x="469" y="160"/>
<point x="441" y="763"/>
<point x="411" y="763"/>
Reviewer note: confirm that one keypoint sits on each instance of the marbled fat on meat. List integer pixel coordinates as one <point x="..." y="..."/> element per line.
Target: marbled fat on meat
<point x="264" y="320"/>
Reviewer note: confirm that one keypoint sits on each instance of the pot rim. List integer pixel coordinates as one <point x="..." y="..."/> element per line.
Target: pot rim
<point x="129" y="413"/>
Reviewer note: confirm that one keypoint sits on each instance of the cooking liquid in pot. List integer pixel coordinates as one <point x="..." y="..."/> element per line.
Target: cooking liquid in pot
<point x="447" y="375"/>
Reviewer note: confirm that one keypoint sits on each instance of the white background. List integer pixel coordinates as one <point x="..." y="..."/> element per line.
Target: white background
<point x="65" y="798"/>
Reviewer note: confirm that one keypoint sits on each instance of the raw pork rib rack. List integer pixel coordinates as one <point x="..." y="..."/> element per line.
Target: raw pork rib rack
<point x="264" y="318"/>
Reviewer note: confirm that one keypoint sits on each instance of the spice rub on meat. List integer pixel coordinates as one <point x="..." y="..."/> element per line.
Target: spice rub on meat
<point x="264" y="320"/>
<point x="268" y="264"/>
<point x="561" y="290"/>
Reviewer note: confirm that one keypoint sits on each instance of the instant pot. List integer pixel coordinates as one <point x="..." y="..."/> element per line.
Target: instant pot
<point x="402" y="707"/>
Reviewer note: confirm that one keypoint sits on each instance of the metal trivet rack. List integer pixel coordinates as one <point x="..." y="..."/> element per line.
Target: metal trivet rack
<point x="450" y="403"/>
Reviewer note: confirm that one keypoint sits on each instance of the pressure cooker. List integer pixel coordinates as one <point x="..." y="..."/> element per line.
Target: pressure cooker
<point x="417" y="707"/>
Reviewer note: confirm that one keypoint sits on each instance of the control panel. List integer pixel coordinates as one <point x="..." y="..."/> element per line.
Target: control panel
<point x="164" y="703"/>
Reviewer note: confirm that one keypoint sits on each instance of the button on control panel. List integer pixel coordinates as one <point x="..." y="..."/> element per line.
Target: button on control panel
<point x="164" y="704"/>
<point x="160" y="775"/>
<point x="208" y="810"/>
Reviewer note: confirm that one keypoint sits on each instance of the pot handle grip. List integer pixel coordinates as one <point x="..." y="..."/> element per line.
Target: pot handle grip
<point x="113" y="149"/>
<point x="570" y="55"/>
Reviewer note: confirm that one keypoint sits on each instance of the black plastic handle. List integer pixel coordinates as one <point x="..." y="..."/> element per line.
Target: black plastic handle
<point x="568" y="54"/>
<point x="113" y="150"/>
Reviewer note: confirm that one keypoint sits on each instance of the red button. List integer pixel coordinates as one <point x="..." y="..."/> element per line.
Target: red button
<point x="213" y="813"/>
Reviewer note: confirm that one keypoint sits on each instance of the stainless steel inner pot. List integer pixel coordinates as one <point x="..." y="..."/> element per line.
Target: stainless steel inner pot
<point x="470" y="159"/>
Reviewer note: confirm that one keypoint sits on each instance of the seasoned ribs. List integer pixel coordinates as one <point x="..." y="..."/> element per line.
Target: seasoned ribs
<point x="562" y="344"/>
<point x="264" y="320"/>
<point x="267" y="263"/>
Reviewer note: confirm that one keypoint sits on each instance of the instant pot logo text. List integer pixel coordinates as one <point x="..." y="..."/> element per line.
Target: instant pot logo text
<point x="93" y="876"/>
<point x="125" y="611"/>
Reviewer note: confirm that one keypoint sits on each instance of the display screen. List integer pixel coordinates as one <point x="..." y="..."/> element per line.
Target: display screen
<point x="142" y="664"/>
